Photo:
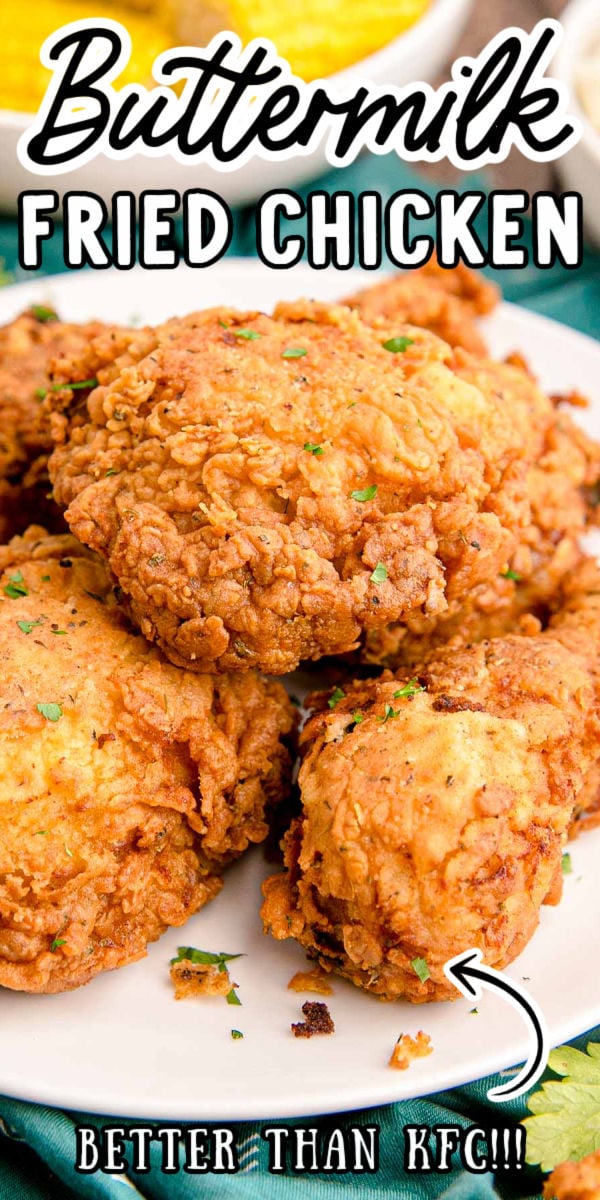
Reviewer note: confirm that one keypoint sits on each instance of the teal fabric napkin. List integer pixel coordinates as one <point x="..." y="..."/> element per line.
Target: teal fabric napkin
<point x="37" y="1145"/>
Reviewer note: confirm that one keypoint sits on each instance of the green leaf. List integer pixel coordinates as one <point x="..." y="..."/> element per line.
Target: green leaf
<point x="294" y="352"/>
<point x="52" y="712"/>
<point x="420" y="969"/>
<point x="567" y="866"/>
<point x="566" y="1113"/>
<point x="27" y="626"/>
<point x="363" y="494"/>
<point x="232" y="997"/>
<point x="313" y="448"/>
<point x="56" y="943"/>
<point x="410" y="689"/>
<point x="379" y="575"/>
<point x="16" y="587"/>
<point x="206" y="957"/>
<point x="41" y="313"/>
<point x="510" y="574"/>
<point x="236" y="1034"/>
<point x="335" y="697"/>
<point x="74" y="387"/>
<point x="389" y="713"/>
<point x="397" y="345"/>
<point x="247" y="335"/>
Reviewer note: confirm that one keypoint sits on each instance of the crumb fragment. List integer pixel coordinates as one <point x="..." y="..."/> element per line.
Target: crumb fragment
<point x="408" y="1048"/>
<point x="311" y="981"/>
<point x="318" y="1020"/>
<point x="199" y="979"/>
<point x="575" y="1180"/>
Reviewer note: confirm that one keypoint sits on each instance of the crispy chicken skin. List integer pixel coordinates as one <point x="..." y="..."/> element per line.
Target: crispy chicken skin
<point x="561" y="487"/>
<point x="575" y="1180"/>
<point x="124" y="796"/>
<point x="28" y="347"/>
<point x="434" y="821"/>
<point x="445" y="301"/>
<point x="215" y="465"/>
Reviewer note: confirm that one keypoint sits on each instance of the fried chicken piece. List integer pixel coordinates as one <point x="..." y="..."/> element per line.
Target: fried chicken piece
<point x="561" y="486"/>
<point x="126" y="784"/>
<point x="28" y="347"/>
<point x="445" y="301"/>
<point x="575" y="1180"/>
<point x="435" y="809"/>
<point x="243" y="476"/>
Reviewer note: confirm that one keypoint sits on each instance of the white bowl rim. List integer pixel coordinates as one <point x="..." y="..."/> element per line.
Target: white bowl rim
<point x="414" y="35"/>
<point x="576" y="19"/>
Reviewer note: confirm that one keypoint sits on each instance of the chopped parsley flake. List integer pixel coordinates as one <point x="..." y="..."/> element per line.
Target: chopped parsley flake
<point x="46" y="578"/>
<point x="16" y="587"/>
<point x="397" y="345"/>
<point x="232" y="997"/>
<point x="236" y="1034"/>
<point x="410" y="689"/>
<point x="567" y="865"/>
<point x="335" y="697"/>
<point x="68" y="851"/>
<point x="111" y="471"/>
<point x="420" y="969"/>
<point x="357" y="717"/>
<point x="388" y="713"/>
<point x="41" y="313"/>
<point x="52" y="712"/>
<point x="294" y="352"/>
<point x="27" y="626"/>
<point x="510" y="574"/>
<point x="379" y="574"/>
<point x="364" y="494"/>
<point x="40" y="393"/>
<point x="74" y="387"/>
<point x="248" y="335"/>
<point x="313" y="448"/>
<point x="56" y="943"/>
<point x="59" y="632"/>
<point x="41" y="832"/>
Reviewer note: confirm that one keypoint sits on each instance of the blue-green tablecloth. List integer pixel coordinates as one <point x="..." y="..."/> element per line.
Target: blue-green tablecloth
<point x="37" y="1145"/>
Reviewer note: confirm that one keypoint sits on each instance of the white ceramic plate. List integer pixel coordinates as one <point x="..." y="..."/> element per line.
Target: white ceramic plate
<point x="122" y="1045"/>
<point x="416" y="55"/>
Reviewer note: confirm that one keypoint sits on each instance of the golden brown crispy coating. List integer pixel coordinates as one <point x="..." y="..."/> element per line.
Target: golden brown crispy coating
<point x="575" y="1180"/>
<point x="434" y="821"/>
<point x="445" y="301"/>
<point x="216" y="477"/>
<point x="28" y="347"/>
<point x="120" y="802"/>
<point x="561" y="485"/>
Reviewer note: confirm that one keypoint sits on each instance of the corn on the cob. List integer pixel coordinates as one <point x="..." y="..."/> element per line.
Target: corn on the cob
<point x="23" y="28"/>
<point x="317" y="37"/>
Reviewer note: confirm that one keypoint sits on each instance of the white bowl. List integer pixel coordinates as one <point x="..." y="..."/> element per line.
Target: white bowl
<point x="580" y="168"/>
<point x="417" y="54"/>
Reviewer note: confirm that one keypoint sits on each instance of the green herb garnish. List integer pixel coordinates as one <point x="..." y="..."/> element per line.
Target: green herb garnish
<point x="566" y="1112"/>
<point x="379" y="574"/>
<point x="16" y="588"/>
<point x="248" y="335"/>
<point x="27" y="626"/>
<point x="41" y="313"/>
<point x="313" y="448"/>
<point x="410" y="689"/>
<point x="56" y="943"/>
<point x="566" y="864"/>
<point x="294" y="352"/>
<point x="208" y="958"/>
<point x="420" y="969"/>
<point x="83" y="383"/>
<point x="510" y="574"/>
<point x="335" y="697"/>
<point x="397" y="345"/>
<point x="236" y="1034"/>
<point x="388" y="713"/>
<point x="52" y="712"/>
<point x="364" y="494"/>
